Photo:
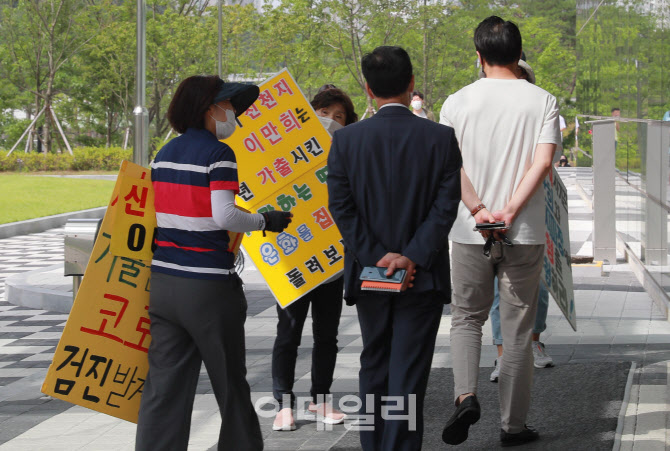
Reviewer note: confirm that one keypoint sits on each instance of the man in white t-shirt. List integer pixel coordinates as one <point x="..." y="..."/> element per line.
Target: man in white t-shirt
<point x="508" y="130"/>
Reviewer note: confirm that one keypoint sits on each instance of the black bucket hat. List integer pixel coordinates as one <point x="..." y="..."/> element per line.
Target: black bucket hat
<point x="241" y="96"/>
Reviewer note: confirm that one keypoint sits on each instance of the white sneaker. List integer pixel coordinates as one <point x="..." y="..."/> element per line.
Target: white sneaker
<point x="496" y="371"/>
<point x="542" y="359"/>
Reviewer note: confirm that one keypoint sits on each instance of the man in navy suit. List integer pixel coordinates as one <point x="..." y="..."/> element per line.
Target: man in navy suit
<point x="394" y="189"/>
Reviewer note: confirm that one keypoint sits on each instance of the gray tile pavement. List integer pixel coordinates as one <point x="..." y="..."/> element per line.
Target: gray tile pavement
<point x="617" y="321"/>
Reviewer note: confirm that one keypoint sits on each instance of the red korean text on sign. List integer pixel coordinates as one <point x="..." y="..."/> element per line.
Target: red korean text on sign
<point x="139" y="199"/>
<point x="143" y="328"/>
<point x="252" y="143"/>
<point x="266" y="174"/>
<point x="550" y="248"/>
<point x="101" y="331"/>
<point x="283" y="167"/>
<point x="322" y="217"/>
<point x="282" y="88"/>
<point x="253" y="112"/>
<point x="269" y="132"/>
<point x="267" y="100"/>
<point x="289" y="121"/>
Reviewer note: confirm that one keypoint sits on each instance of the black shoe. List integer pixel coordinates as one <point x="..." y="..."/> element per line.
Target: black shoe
<point x="466" y="414"/>
<point x="525" y="436"/>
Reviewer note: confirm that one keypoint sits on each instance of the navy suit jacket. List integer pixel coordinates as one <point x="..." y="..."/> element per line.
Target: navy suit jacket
<point x="394" y="186"/>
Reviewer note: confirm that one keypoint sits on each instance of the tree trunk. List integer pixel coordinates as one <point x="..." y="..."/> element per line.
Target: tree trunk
<point x="368" y="99"/>
<point x="48" y="118"/>
<point x="425" y="52"/>
<point x="38" y="107"/>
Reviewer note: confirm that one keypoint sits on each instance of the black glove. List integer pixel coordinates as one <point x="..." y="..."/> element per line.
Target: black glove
<point x="276" y="221"/>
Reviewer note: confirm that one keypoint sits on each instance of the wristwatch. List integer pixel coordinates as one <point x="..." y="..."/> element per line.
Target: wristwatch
<point x="477" y="209"/>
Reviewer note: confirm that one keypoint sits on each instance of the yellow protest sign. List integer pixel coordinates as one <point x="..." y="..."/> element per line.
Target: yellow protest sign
<point x="282" y="151"/>
<point x="308" y="252"/>
<point x="134" y="229"/>
<point x="280" y="139"/>
<point x="101" y="358"/>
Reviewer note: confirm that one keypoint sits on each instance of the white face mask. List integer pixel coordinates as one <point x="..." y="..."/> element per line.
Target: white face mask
<point x="330" y="124"/>
<point x="225" y="129"/>
<point x="417" y="104"/>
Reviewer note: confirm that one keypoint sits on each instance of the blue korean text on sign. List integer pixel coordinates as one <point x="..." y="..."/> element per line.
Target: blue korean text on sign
<point x="269" y="254"/>
<point x="287" y="242"/>
<point x="304" y="233"/>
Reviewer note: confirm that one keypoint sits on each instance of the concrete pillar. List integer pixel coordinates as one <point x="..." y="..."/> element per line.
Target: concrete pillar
<point x="655" y="238"/>
<point x="604" y="192"/>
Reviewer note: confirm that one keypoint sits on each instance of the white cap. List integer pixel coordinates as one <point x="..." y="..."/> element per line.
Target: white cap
<point x="523" y="65"/>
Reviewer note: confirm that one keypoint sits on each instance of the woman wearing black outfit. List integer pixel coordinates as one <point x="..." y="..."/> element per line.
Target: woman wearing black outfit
<point x="335" y="110"/>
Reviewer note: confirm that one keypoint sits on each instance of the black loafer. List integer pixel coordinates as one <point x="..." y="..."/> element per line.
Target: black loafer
<point x="525" y="436"/>
<point x="466" y="414"/>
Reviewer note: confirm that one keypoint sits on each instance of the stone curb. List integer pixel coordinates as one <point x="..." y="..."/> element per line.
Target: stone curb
<point x="22" y="289"/>
<point x="48" y="222"/>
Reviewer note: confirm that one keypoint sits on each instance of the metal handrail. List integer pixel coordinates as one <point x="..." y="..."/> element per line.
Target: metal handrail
<point x="617" y="119"/>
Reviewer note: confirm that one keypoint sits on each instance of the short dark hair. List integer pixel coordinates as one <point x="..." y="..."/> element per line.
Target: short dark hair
<point x="498" y="41"/>
<point x="388" y="71"/>
<point x="193" y="98"/>
<point x="615" y="109"/>
<point x="331" y="96"/>
<point x="417" y="93"/>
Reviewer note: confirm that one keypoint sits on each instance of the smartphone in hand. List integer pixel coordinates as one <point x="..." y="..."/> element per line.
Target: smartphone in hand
<point x="500" y="225"/>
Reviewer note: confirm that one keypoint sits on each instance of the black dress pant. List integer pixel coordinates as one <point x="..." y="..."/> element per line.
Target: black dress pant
<point x="195" y="320"/>
<point x="326" y="302"/>
<point x="399" y="334"/>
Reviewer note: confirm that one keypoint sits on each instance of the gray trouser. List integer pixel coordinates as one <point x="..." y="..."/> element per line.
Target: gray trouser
<point x="192" y="321"/>
<point x="518" y="269"/>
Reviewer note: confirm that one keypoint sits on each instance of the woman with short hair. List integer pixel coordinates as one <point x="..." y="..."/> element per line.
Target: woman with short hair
<point x="197" y="306"/>
<point x="335" y="110"/>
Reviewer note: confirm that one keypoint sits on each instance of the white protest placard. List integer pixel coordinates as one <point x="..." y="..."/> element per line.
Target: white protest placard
<point x="557" y="269"/>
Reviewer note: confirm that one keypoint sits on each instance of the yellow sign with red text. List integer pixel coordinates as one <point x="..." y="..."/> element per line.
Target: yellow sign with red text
<point x="134" y="228"/>
<point x="101" y="358"/>
<point x="282" y="151"/>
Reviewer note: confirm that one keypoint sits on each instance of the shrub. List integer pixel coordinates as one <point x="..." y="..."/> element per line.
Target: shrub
<point x="84" y="159"/>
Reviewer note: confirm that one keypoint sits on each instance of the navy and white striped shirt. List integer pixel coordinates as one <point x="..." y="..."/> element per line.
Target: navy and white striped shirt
<point x="185" y="171"/>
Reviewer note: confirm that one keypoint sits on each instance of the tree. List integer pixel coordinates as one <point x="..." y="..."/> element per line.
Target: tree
<point x="43" y="37"/>
<point x="357" y="27"/>
<point x="101" y="81"/>
<point x="181" y="41"/>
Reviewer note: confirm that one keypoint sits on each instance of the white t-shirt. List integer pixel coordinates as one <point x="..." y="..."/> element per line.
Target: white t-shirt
<point x="498" y="124"/>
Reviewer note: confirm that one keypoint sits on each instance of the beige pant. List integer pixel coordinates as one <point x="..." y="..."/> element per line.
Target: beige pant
<point x="518" y="269"/>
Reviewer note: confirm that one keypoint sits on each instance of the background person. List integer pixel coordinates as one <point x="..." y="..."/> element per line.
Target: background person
<point x="197" y="307"/>
<point x="335" y="110"/>
<point x="563" y="162"/>
<point x="525" y="138"/>
<point x="418" y="109"/>
<point x="394" y="189"/>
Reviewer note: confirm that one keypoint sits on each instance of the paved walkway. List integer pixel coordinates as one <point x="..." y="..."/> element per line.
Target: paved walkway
<point x="617" y="321"/>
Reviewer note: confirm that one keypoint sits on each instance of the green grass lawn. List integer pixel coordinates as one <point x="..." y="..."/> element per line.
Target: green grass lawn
<point x="24" y="196"/>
